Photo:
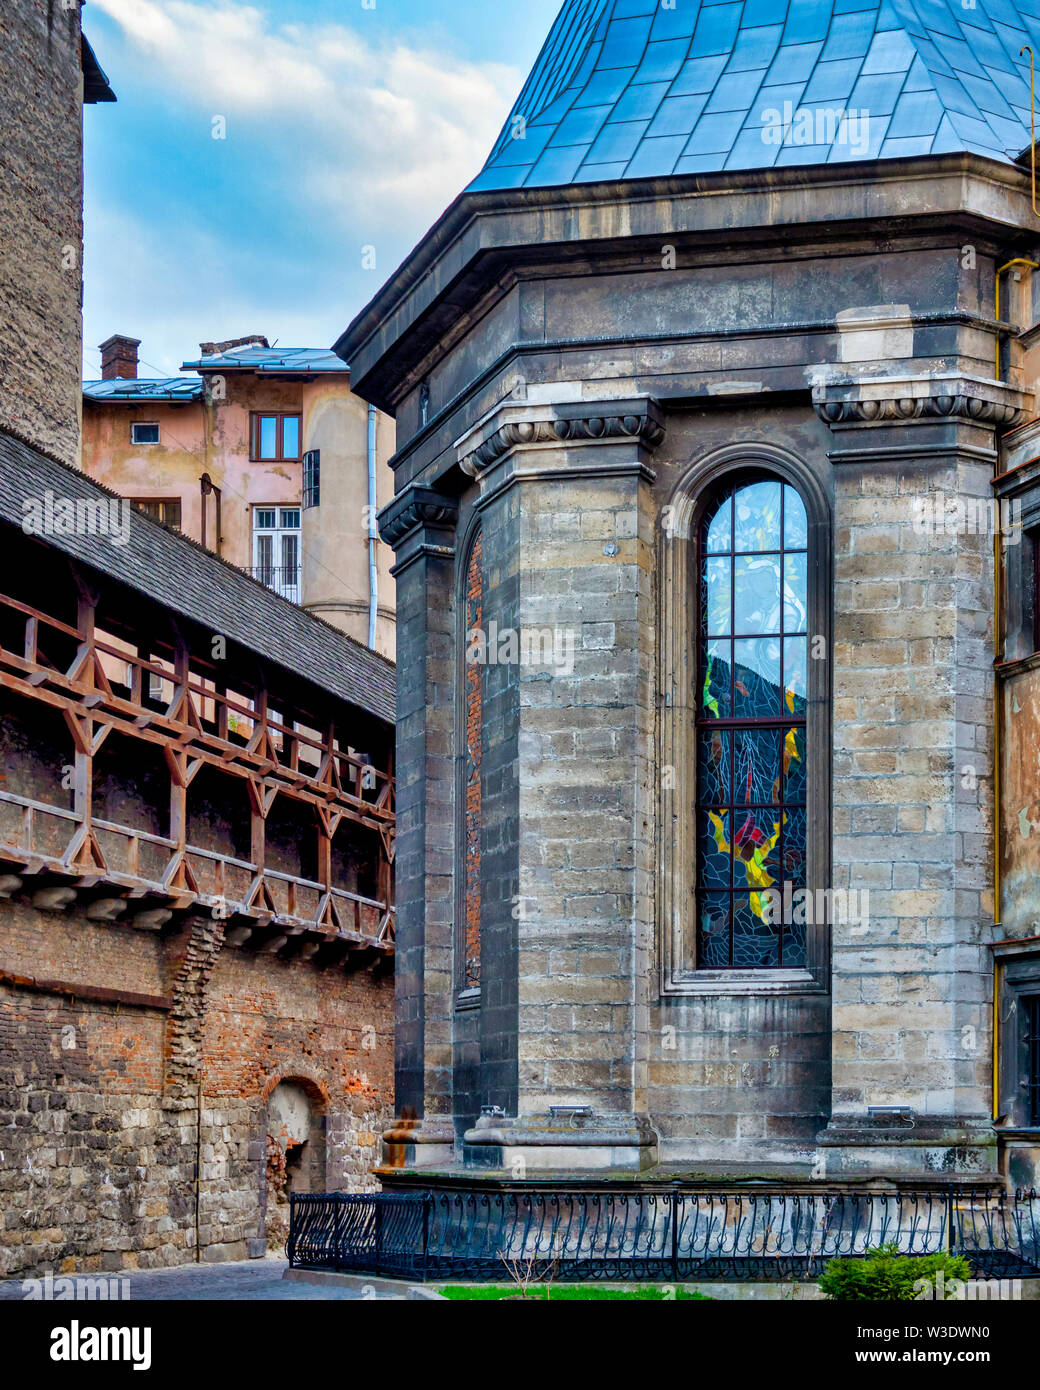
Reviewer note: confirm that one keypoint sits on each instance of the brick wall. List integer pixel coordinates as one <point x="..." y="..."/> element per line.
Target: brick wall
<point x="99" y="1140"/>
<point x="41" y="194"/>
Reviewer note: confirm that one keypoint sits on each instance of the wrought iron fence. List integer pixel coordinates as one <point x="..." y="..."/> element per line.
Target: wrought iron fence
<point x="667" y="1234"/>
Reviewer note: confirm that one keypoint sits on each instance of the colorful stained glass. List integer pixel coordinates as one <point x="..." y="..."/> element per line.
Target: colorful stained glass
<point x="715" y="680"/>
<point x="793" y="760"/>
<point x="751" y="744"/>
<point x="756" y="779"/>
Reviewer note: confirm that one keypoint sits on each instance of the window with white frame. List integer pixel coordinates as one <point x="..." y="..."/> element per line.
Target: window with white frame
<point x="276" y="549"/>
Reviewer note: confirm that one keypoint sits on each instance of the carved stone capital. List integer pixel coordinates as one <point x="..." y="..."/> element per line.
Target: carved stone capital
<point x="890" y="401"/>
<point x="528" y="425"/>
<point x="418" y="507"/>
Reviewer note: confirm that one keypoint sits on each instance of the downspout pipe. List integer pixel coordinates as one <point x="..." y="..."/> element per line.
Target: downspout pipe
<point x="373" y="534"/>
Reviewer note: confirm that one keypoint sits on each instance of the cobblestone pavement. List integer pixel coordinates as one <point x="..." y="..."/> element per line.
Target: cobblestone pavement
<point x="243" y="1280"/>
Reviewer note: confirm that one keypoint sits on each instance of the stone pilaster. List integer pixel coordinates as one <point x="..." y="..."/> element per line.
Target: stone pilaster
<point x="913" y="792"/>
<point x="573" y="482"/>
<point x="420" y="525"/>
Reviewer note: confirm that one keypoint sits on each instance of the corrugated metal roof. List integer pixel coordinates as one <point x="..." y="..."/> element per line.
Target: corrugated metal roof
<point x="188" y="580"/>
<point x="629" y="88"/>
<point x="131" y="390"/>
<point x="279" y="360"/>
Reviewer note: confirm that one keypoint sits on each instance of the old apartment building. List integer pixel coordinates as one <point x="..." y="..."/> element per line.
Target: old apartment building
<point x="717" y="715"/>
<point x="196" y="820"/>
<point x="266" y="458"/>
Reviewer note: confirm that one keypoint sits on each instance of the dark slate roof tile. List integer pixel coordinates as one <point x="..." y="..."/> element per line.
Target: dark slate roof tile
<point x="189" y="581"/>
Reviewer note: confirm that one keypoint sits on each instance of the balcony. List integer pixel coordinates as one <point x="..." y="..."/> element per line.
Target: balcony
<point x="284" y="580"/>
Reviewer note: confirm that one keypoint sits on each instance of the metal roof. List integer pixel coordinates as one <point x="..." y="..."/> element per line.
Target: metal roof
<point x="277" y="360"/>
<point x="628" y="88"/>
<point x="172" y="570"/>
<point x="133" y="390"/>
<point x="96" y="86"/>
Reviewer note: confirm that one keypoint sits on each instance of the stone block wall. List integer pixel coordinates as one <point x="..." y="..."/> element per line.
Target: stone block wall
<point x="41" y="198"/>
<point x="913" y="795"/>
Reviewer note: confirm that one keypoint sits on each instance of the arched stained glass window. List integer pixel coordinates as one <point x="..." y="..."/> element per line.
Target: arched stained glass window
<point x="751" y="725"/>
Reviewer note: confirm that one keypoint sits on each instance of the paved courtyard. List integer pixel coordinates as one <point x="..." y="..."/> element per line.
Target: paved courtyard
<point x="242" y="1280"/>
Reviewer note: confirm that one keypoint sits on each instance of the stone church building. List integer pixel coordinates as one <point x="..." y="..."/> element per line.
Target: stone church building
<point x="717" y="489"/>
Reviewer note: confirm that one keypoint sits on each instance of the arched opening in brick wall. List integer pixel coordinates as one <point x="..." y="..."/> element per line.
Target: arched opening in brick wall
<point x="295" y="1139"/>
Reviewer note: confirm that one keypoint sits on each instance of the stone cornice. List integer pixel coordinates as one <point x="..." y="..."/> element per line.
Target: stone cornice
<point x="524" y="425"/>
<point x="875" y="401"/>
<point x="418" y="507"/>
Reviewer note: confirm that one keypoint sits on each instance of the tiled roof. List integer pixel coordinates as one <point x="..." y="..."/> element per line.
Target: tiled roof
<point x="188" y="580"/>
<point x="135" y="390"/>
<point x="279" y="360"/>
<point x="629" y="88"/>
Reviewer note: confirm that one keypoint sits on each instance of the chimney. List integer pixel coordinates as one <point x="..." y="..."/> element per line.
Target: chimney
<point x="119" y="357"/>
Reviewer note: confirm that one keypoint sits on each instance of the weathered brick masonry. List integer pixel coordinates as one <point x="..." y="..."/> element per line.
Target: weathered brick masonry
<point x="100" y="1149"/>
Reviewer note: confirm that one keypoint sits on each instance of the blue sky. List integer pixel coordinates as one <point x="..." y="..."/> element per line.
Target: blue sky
<point x="347" y="125"/>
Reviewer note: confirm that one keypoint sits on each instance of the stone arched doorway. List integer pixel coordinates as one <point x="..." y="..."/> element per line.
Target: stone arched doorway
<point x="295" y="1124"/>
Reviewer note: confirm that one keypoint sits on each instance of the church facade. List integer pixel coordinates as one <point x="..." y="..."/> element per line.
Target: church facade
<point x="715" y="487"/>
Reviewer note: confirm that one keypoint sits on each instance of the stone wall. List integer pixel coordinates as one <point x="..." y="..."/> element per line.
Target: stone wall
<point x="41" y="197"/>
<point x="105" y="1034"/>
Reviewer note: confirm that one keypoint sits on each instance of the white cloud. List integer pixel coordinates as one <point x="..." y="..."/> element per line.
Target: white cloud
<point x="390" y="130"/>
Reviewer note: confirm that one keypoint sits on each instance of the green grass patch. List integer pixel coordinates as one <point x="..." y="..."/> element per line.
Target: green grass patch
<point x="574" y="1293"/>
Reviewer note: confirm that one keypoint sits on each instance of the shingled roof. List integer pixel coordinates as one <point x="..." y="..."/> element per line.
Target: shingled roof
<point x="191" y="582"/>
<point x="628" y="89"/>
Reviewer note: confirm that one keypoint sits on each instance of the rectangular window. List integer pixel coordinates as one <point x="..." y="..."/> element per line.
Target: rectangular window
<point x="274" y="437"/>
<point x="312" y="478"/>
<point x="144" y="434"/>
<point x="166" y="510"/>
<point x="276" y="549"/>
<point x="1033" y="1015"/>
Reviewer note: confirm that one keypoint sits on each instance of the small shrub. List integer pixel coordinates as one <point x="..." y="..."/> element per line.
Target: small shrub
<point x="883" y="1273"/>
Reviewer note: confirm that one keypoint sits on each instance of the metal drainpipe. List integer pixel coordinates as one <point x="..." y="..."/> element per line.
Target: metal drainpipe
<point x="373" y="535"/>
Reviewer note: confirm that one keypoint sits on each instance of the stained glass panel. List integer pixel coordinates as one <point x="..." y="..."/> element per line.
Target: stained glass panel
<point x="713" y="757"/>
<point x="751" y="745"/>
<point x="757" y="525"/>
<point x="756" y="593"/>
<point x="719" y="580"/>
<point x="715" y="687"/>
<point x="718" y="527"/>
<point x="756" y="678"/>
